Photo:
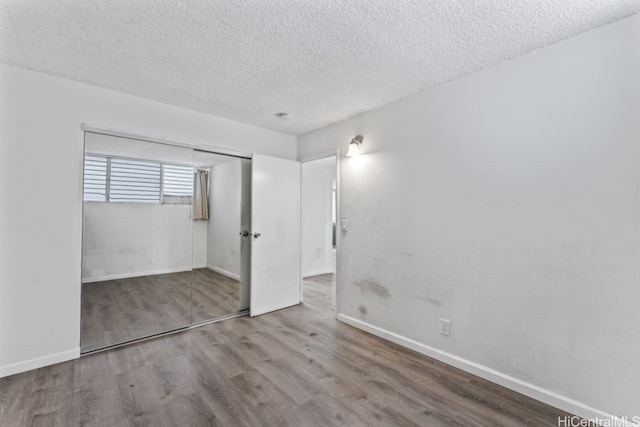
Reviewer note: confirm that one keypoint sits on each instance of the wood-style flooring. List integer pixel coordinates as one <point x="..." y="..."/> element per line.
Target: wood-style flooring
<point x="213" y="295"/>
<point x="116" y="311"/>
<point x="296" y="367"/>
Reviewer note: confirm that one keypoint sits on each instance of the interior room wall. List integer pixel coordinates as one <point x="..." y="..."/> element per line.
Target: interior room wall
<point x="317" y="225"/>
<point x="223" y="243"/>
<point x="41" y="243"/>
<point x="507" y="202"/>
<point x="135" y="239"/>
<point x="200" y="239"/>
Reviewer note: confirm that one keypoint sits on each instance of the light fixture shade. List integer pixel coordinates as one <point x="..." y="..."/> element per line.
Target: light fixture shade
<point x="354" y="146"/>
<point x="354" y="149"/>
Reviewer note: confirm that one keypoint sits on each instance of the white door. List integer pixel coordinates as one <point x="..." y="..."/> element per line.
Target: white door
<point x="275" y="235"/>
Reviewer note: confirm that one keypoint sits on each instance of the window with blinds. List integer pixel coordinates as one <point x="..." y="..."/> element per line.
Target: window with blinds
<point x="134" y="181"/>
<point x="95" y="178"/>
<point x="109" y="179"/>
<point x="177" y="184"/>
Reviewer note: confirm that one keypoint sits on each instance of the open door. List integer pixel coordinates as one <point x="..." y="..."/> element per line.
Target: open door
<point x="275" y="236"/>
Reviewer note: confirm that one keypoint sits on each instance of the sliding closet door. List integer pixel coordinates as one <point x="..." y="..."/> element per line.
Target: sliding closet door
<point x="275" y="250"/>
<point x="137" y="240"/>
<point x="219" y="215"/>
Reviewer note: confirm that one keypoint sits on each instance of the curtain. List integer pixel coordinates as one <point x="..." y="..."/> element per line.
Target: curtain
<point x="201" y="195"/>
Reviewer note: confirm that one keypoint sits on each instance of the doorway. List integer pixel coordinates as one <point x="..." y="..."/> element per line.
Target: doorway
<point x="319" y="230"/>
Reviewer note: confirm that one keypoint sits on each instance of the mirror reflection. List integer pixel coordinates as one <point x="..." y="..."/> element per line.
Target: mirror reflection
<point x="137" y="240"/>
<point x="162" y="244"/>
<point x="220" y="212"/>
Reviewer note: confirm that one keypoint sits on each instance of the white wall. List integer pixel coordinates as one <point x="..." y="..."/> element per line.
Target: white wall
<point x="508" y="202"/>
<point x="135" y="239"/>
<point x="199" y="230"/>
<point x="41" y="168"/>
<point x="109" y="145"/>
<point x="317" y="227"/>
<point x="223" y="243"/>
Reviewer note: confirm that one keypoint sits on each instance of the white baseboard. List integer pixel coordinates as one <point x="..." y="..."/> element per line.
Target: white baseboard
<point x="224" y="272"/>
<point x="200" y="266"/>
<point x="138" y="274"/>
<point x="531" y="390"/>
<point x="39" y="362"/>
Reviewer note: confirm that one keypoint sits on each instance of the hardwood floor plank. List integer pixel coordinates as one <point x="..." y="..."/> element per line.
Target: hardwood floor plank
<point x="191" y="410"/>
<point x="294" y="367"/>
<point x="115" y="311"/>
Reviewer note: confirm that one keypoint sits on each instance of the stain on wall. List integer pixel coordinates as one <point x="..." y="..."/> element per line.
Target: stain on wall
<point x="363" y="311"/>
<point x="369" y="286"/>
<point x="433" y="301"/>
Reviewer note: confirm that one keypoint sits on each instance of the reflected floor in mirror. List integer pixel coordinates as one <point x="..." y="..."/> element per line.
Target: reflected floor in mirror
<point x="214" y="295"/>
<point x="116" y="311"/>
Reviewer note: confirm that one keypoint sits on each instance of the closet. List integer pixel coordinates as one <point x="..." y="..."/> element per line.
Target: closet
<point x="176" y="235"/>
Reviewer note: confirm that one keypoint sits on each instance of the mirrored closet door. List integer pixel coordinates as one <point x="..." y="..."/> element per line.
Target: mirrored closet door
<point x="162" y="239"/>
<point x="137" y="239"/>
<point x="220" y="285"/>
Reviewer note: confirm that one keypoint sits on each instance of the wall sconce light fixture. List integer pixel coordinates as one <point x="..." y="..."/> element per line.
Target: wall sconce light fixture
<point x="354" y="146"/>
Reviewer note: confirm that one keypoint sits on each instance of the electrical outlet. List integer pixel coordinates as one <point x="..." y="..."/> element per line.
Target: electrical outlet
<point x="445" y="327"/>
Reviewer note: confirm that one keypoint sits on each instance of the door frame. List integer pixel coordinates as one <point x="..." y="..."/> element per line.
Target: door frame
<point x="311" y="158"/>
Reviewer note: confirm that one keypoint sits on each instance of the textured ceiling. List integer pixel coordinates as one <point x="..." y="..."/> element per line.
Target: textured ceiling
<point x="320" y="60"/>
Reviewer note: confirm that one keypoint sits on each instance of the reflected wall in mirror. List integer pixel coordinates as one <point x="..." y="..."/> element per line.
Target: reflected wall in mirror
<point x="221" y="254"/>
<point x="137" y="239"/>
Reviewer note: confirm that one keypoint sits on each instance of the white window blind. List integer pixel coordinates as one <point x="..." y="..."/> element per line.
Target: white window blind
<point x="177" y="184"/>
<point x="134" y="181"/>
<point x="95" y="178"/>
<point x="110" y="179"/>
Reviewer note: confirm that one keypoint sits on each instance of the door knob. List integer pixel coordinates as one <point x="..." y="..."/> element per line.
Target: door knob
<point x="244" y="233"/>
<point x="256" y="235"/>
